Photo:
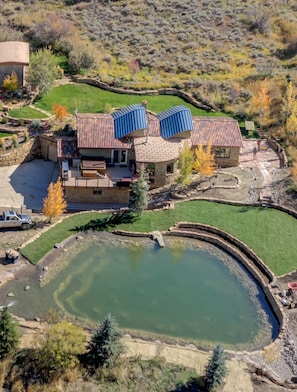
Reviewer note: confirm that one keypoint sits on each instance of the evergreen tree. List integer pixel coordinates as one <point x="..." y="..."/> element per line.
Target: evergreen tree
<point x="138" y="193"/>
<point x="216" y="369"/>
<point x="105" y="346"/>
<point x="54" y="204"/>
<point x="9" y="335"/>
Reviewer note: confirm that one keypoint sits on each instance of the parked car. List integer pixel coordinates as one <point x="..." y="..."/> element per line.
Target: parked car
<point x="10" y="219"/>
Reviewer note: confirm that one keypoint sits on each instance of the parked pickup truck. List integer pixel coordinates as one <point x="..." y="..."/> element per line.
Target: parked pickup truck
<point x="13" y="219"/>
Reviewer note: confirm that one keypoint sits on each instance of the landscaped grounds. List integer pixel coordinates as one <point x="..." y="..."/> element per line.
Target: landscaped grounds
<point x="84" y="98"/>
<point x="269" y="232"/>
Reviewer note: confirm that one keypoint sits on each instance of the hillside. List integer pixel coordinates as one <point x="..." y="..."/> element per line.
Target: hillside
<point x="219" y="51"/>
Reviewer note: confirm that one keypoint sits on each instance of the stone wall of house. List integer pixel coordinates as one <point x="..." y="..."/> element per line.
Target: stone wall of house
<point x="48" y="147"/>
<point x="161" y="176"/>
<point x="25" y="152"/>
<point x="232" y="161"/>
<point x="114" y="195"/>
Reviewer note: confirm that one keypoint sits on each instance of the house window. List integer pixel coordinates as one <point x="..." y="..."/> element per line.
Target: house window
<point x="170" y="168"/>
<point x="222" y="152"/>
<point x="97" y="191"/>
<point x="150" y="168"/>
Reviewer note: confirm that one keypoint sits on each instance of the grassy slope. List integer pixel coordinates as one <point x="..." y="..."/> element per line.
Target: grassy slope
<point x="26" y="112"/>
<point x="258" y="227"/>
<point x="89" y="99"/>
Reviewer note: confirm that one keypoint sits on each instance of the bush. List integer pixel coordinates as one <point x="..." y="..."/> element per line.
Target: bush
<point x="9" y="336"/>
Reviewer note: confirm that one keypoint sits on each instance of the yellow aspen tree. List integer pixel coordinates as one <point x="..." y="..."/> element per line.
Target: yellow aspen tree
<point x="294" y="172"/>
<point x="262" y="100"/>
<point x="185" y="166"/>
<point x="289" y="110"/>
<point x="204" y="161"/>
<point x="11" y="82"/>
<point x="54" y="204"/>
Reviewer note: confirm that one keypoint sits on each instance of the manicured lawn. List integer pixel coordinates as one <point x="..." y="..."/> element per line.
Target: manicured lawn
<point x="4" y="134"/>
<point x="26" y="112"/>
<point x="270" y="233"/>
<point x="89" y="99"/>
<point x="37" y="249"/>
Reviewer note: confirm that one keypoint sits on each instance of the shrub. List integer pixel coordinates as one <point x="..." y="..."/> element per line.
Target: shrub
<point x="9" y="336"/>
<point x="15" y="142"/>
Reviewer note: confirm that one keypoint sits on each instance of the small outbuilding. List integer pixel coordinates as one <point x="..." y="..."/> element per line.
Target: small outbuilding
<point x="14" y="57"/>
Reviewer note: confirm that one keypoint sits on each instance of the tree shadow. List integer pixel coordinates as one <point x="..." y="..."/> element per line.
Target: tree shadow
<point x="116" y="218"/>
<point x="193" y="385"/>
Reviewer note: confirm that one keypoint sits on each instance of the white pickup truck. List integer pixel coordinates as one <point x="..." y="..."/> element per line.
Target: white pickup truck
<point x="10" y="219"/>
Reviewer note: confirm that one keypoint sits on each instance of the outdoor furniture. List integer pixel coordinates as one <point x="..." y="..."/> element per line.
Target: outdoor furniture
<point x="91" y="168"/>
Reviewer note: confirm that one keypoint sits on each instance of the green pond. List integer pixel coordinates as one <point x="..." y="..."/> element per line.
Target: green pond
<point x="188" y="290"/>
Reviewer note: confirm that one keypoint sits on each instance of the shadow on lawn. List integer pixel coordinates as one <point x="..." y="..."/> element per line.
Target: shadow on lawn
<point x="116" y="218"/>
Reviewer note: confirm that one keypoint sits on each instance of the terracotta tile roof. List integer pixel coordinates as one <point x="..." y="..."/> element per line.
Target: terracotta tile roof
<point x="14" y="52"/>
<point x="221" y="131"/>
<point x="97" y="131"/>
<point x="156" y="149"/>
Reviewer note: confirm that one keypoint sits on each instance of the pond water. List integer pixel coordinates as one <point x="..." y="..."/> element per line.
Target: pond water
<point x="186" y="290"/>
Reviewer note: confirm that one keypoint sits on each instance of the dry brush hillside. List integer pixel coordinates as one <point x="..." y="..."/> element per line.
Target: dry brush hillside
<point x="218" y="50"/>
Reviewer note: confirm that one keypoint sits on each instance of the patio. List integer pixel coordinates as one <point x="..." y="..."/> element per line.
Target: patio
<point x="114" y="176"/>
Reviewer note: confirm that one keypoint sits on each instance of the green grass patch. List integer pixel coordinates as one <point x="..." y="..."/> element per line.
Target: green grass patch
<point x="26" y="112"/>
<point x="89" y="99"/>
<point x="269" y="232"/>
<point x="56" y="234"/>
<point x="4" y="134"/>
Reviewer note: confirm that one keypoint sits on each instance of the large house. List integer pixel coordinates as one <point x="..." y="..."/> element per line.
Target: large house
<point x="14" y="57"/>
<point x="100" y="161"/>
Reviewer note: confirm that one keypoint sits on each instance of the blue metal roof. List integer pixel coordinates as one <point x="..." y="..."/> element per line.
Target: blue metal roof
<point x="129" y="119"/>
<point x="175" y="120"/>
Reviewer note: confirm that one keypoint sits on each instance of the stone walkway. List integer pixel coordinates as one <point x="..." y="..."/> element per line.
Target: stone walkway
<point x="264" y="164"/>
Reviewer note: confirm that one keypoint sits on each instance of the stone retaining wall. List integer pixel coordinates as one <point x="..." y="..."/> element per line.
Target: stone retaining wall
<point x="25" y="152"/>
<point x="248" y="252"/>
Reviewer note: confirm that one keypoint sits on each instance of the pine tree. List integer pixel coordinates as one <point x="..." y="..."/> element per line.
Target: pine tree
<point x="216" y="369"/>
<point x="9" y="336"/>
<point x="105" y="346"/>
<point x="204" y="162"/>
<point x="138" y="193"/>
<point x="54" y="204"/>
<point x="185" y="166"/>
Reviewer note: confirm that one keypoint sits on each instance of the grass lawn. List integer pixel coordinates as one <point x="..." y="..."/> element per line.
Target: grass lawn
<point x="270" y="233"/>
<point x="89" y="99"/>
<point x="4" y="134"/>
<point x="26" y="112"/>
<point x="57" y="233"/>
